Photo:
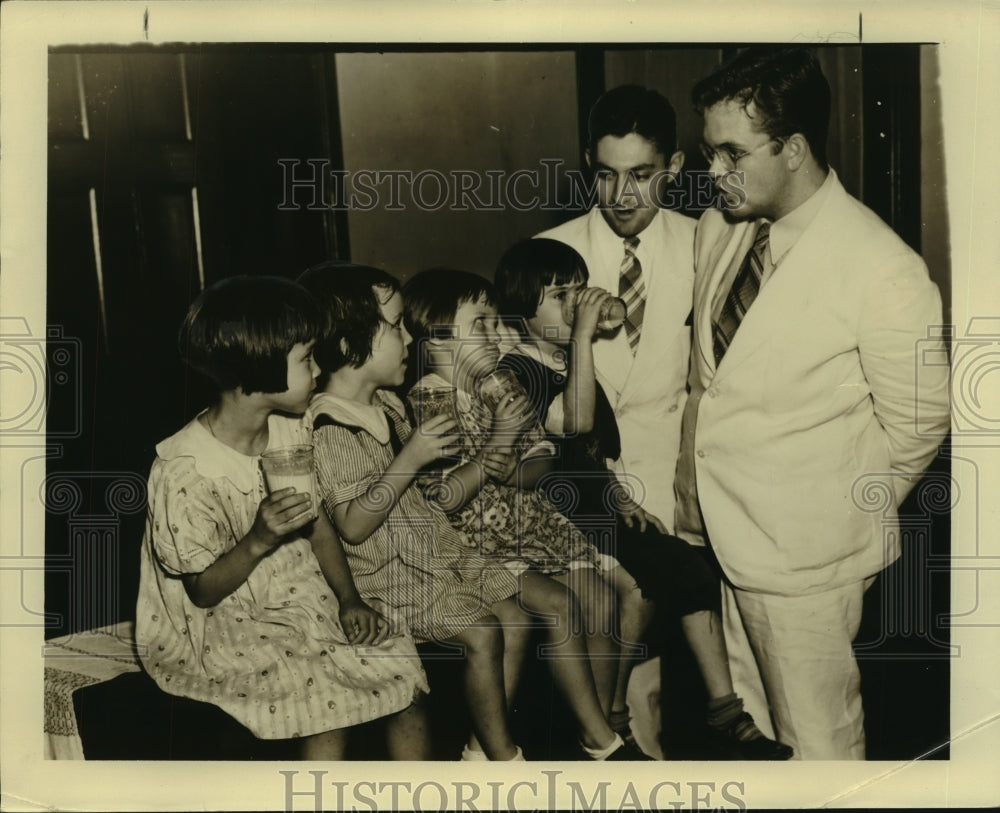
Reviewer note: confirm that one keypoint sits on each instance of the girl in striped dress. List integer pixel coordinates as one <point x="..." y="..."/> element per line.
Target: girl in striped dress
<point x="245" y="599"/>
<point x="406" y="557"/>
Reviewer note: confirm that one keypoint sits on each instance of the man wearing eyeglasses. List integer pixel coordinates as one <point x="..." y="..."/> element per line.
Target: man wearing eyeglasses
<point x="808" y="315"/>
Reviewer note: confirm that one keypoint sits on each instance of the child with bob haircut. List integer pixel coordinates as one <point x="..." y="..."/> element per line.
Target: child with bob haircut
<point x="489" y="496"/>
<point x="405" y="555"/>
<point x="542" y="288"/>
<point x="245" y="598"/>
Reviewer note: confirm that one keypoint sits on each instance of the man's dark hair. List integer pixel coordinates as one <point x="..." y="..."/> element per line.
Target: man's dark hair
<point x="786" y="87"/>
<point x="349" y="299"/>
<point x="239" y="331"/>
<point x="633" y="109"/>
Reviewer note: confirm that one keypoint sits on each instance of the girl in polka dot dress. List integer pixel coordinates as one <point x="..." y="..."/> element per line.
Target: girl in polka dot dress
<point x="245" y="599"/>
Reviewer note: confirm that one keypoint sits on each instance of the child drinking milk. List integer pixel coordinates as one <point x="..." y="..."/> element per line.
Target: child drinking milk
<point x="403" y="551"/>
<point x="245" y="599"/>
<point x="542" y="283"/>
<point x="452" y="316"/>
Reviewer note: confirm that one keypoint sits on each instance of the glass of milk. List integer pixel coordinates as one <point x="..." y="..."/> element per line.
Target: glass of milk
<point x="429" y="402"/>
<point x="501" y="385"/>
<point x="612" y="314"/>
<point x="290" y="466"/>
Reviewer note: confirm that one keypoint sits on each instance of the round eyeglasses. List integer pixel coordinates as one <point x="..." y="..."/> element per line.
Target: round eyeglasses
<point x="728" y="156"/>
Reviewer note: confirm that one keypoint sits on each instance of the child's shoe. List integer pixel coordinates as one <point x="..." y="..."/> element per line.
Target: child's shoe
<point x="620" y="724"/>
<point x="619" y="750"/>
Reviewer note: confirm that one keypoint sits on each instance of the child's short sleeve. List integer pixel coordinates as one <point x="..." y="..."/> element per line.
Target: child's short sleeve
<point x="554" y="420"/>
<point x="343" y="469"/>
<point x="188" y="523"/>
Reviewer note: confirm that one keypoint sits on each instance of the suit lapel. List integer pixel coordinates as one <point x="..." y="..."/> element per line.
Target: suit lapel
<point x="792" y="285"/>
<point x="720" y="256"/>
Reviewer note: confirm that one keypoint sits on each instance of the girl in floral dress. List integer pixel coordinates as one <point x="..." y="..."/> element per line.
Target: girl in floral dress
<point x="245" y="598"/>
<point x="453" y="319"/>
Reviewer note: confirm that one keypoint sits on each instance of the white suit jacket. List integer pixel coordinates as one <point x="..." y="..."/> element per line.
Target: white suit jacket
<point x="819" y="419"/>
<point x="648" y="390"/>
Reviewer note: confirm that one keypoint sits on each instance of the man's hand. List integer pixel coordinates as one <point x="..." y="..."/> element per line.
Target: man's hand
<point x="634" y="515"/>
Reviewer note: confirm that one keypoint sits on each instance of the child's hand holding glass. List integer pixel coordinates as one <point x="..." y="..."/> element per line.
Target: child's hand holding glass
<point x="590" y="309"/>
<point x="431" y="440"/>
<point x="280" y="514"/>
<point x="512" y="412"/>
<point x="511" y="417"/>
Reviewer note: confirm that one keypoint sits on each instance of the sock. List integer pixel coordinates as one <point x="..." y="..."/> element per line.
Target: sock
<point x="619" y="720"/>
<point x="606" y="751"/>
<point x="470" y="755"/>
<point x="726" y="713"/>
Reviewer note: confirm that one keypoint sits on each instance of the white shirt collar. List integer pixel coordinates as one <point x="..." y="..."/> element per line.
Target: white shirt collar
<point x="214" y="459"/>
<point x="786" y="231"/>
<point x="610" y="243"/>
<point x="552" y="357"/>
<point x="370" y="417"/>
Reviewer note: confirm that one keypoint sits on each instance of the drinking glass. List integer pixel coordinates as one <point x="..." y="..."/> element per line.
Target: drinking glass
<point x="290" y="466"/>
<point x="429" y="402"/>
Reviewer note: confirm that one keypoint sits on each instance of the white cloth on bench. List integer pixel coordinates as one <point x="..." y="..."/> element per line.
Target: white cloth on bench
<point x="72" y="662"/>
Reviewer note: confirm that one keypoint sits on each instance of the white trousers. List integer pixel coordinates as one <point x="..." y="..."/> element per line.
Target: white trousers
<point x="792" y="664"/>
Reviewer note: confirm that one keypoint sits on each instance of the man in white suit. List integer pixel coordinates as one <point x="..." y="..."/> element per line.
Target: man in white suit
<point x="638" y="250"/>
<point x="810" y="315"/>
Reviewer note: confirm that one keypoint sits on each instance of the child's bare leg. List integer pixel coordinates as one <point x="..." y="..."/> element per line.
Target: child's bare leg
<point x="516" y="637"/>
<point x="329" y="745"/>
<point x="703" y="632"/>
<point x="598" y="603"/>
<point x="407" y="733"/>
<point x="483" y="681"/>
<point x="635" y="614"/>
<point x="567" y="655"/>
<point x="517" y="626"/>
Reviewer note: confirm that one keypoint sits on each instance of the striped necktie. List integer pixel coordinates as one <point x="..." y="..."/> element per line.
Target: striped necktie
<point x="631" y="289"/>
<point x="741" y="296"/>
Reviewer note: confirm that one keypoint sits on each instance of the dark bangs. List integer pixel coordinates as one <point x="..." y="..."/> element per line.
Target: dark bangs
<point x="432" y="298"/>
<point x="239" y="331"/>
<point x="527" y="267"/>
<point x="349" y="303"/>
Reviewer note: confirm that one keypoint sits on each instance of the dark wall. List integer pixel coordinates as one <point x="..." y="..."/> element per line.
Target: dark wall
<point x="166" y="174"/>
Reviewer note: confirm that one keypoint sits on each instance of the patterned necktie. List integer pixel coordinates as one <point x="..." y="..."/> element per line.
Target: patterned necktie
<point x="745" y="288"/>
<point x="631" y="289"/>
